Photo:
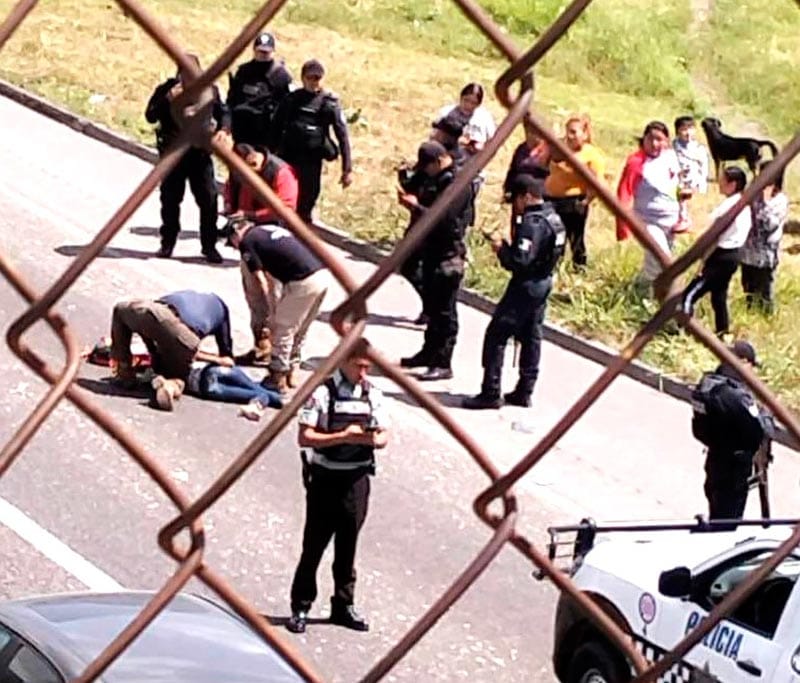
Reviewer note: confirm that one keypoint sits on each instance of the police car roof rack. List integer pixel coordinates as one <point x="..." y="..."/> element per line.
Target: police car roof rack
<point x="586" y="531"/>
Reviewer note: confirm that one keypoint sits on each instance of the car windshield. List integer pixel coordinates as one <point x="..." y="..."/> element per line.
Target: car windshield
<point x="191" y="641"/>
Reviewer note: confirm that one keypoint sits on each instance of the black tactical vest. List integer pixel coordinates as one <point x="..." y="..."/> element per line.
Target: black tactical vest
<point x="343" y="412"/>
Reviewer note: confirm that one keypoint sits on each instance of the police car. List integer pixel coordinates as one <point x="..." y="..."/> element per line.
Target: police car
<point x="659" y="582"/>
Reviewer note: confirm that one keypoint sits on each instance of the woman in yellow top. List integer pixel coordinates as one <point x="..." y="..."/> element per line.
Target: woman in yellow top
<point x="569" y="194"/>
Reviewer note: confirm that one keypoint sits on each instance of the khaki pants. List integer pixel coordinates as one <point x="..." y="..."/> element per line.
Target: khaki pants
<point x="259" y="304"/>
<point x="171" y="343"/>
<point x="297" y="307"/>
<point x="651" y="268"/>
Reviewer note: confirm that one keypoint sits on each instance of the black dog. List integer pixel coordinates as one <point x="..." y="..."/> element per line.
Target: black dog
<point x="725" y="147"/>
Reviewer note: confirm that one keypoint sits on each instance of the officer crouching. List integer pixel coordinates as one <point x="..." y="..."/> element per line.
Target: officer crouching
<point x="341" y="426"/>
<point x="537" y="243"/>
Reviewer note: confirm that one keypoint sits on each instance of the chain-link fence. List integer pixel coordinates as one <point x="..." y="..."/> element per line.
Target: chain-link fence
<point x="349" y="321"/>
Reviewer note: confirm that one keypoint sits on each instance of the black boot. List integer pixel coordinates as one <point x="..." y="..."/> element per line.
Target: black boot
<point x="418" y="360"/>
<point x="521" y="396"/>
<point x="297" y="622"/>
<point x="346" y="615"/>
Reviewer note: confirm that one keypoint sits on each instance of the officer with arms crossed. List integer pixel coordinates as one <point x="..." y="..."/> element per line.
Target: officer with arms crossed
<point x="195" y="166"/>
<point x="255" y="92"/>
<point x="727" y="420"/>
<point x="537" y="243"/>
<point x="341" y="426"/>
<point x="301" y="135"/>
<point x="443" y="257"/>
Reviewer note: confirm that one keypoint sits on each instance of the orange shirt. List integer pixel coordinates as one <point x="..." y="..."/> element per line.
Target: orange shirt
<point x="564" y="181"/>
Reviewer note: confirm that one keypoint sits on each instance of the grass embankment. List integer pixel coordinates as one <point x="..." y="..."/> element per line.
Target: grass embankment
<point x="395" y="63"/>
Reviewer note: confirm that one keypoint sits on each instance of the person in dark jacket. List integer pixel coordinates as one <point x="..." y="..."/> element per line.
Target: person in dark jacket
<point x="301" y="135"/>
<point x="531" y="157"/>
<point x="195" y="166"/>
<point x="537" y="243"/>
<point x="443" y="258"/>
<point x="255" y="91"/>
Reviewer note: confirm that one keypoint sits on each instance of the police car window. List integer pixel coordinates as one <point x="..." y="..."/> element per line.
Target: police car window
<point x="28" y="666"/>
<point x="762" y="610"/>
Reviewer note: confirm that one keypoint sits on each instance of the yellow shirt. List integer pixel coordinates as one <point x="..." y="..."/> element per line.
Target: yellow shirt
<point x="564" y="181"/>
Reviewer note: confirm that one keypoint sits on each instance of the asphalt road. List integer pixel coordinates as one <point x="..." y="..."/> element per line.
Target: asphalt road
<point x="630" y="457"/>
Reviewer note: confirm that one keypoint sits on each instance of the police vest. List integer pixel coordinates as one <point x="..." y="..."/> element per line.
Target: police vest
<point x="343" y="412"/>
<point x="550" y="223"/>
<point x="307" y="129"/>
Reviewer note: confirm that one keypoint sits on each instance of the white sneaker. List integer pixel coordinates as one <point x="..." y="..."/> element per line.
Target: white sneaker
<point x="252" y="411"/>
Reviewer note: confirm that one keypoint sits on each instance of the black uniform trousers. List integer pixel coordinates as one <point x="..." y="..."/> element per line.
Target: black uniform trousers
<point x="519" y="314"/>
<point x="411" y="270"/>
<point x="196" y="167"/>
<point x="759" y="286"/>
<point x="715" y="278"/>
<point x="574" y="218"/>
<point x="440" y="284"/>
<point x="309" y="182"/>
<point x="726" y="485"/>
<point x="336" y="506"/>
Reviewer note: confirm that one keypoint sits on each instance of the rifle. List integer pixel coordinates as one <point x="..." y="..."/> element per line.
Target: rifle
<point x="761" y="461"/>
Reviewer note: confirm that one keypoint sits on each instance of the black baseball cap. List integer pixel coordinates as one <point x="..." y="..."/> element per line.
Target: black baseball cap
<point x="524" y="183"/>
<point x="745" y="350"/>
<point x="452" y="124"/>
<point x="313" y="67"/>
<point x="428" y="152"/>
<point x="264" y="42"/>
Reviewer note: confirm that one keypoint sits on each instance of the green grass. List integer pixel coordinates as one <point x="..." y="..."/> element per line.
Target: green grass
<point x="396" y="61"/>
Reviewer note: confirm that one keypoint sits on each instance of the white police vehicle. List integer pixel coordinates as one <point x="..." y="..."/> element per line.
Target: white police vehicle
<point x="658" y="582"/>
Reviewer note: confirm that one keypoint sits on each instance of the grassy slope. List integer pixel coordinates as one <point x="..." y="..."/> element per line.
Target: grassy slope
<point x="395" y="64"/>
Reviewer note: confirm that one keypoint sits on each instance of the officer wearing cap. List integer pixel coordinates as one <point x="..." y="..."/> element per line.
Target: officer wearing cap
<point x="195" y="166"/>
<point x="443" y="257"/>
<point x="255" y="91"/>
<point x="537" y="243"/>
<point x="341" y="426"/>
<point x="301" y="135"/>
<point x="730" y="423"/>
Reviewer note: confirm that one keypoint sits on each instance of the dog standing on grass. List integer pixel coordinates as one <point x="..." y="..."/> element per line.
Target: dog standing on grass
<point x="724" y="147"/>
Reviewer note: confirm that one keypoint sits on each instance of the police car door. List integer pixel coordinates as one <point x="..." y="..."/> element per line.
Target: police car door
<point x="746" y="646"/>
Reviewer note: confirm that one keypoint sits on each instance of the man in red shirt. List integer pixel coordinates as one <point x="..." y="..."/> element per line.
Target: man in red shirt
<point x="242" y="202"/>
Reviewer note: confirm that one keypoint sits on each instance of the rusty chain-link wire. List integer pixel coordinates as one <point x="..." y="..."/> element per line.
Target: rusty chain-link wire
<point x="349" y="320"/>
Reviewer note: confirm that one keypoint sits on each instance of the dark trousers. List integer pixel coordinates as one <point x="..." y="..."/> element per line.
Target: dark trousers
<point x="196" y="167"/>
<point x="726" y="486"/>
<point x="336" y="506"/>
<point x="574" y="218"/>
<point x="411" y="270"/>
<point x="439" y="297"/>
<point x="759" y="286"/>
<point x="715" y="279"/>
<point x="519" y="314"/>
<point x="309" y="179"/>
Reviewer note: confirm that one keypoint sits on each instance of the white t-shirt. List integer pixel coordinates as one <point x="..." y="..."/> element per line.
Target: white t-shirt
<point x="736" y="234"/>
<point x="481" y="125"/>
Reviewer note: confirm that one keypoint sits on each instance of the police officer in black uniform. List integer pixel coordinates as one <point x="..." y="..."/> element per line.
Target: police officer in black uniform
<point x="727" y="419"/>
<point x="301" y="135"/>
<point x="255" y="92"/>
<point x="443" y="258"/>
<point x="341" y="425"/>
<point x="537" y="243"/>
<point x="195" y="166"/>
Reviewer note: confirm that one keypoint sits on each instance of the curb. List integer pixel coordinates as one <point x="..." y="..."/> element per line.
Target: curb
<point x="595" y="351"/>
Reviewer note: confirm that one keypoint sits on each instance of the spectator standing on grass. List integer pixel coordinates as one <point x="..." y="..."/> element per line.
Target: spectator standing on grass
<point x="649" y="185"/>
<point x="301" y="135"/>
<point x="719" y="267"/>
<point x="195" y="166"/>
<point x="531" y="157"/>
<point x="760" y="253"/>
<point x="693" y="161"/>
<point x="570" y="194"/>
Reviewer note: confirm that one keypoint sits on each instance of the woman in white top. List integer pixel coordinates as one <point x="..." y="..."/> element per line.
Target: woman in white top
<point x="721" y="264"/>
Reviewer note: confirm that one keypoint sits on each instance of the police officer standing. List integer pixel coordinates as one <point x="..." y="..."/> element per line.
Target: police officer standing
<point x="729" y="422"/>
<point x="537" y="242"/>
<point x="341" y="425"/>
<point x="195" y="166"/>
<point x="301" y="135"/>
<point x="443" y="258"/>
<point x="255" y="92"/>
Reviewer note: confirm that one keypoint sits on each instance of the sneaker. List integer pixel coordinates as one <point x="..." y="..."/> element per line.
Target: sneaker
<point x="346" y="615"/>
<point x="212" y="255"/>
<point x="164" y="398"/>
<point x="252" y="411"/>
<point x="482" y="402"/>
<point x="297" y="622"/>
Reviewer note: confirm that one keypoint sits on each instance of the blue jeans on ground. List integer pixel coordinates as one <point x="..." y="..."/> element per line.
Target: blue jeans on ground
<point x="234" y="385"/>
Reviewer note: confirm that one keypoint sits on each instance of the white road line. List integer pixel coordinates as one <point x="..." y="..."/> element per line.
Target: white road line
<point x="56" y="550"/>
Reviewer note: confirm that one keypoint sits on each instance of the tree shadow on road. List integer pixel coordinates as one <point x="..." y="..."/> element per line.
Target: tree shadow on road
<point x="121" y="252"/>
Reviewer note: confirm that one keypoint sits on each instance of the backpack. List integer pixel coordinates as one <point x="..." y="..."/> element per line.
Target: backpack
<point x="725" y="415"/>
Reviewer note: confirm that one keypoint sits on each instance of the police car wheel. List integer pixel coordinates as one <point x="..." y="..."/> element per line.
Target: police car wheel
<point x="594" y="662"/>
